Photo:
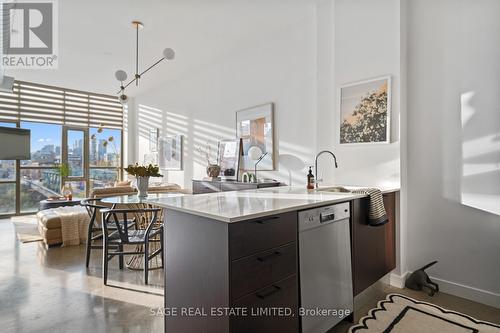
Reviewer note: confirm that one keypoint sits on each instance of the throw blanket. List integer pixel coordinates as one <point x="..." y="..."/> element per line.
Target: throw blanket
<point x="74" y="224"/>
<point x="377" y="214"/>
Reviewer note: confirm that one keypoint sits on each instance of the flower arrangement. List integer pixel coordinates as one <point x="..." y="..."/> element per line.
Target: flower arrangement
<point x="206" y="152"/>
<point x="110" y="141"/>
<point x="213" y="169"/>
<point x="137" y="170"/>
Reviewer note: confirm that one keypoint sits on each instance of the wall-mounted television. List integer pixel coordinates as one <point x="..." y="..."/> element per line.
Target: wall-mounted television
<point x="14" y="143"/>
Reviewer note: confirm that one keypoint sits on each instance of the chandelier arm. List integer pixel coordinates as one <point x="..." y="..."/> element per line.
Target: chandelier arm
<point x="153" y="65"/>
<point x="128" y="84"/>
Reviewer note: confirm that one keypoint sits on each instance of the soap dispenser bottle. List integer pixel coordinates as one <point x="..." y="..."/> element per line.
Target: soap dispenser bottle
<point x="310" y="179"/>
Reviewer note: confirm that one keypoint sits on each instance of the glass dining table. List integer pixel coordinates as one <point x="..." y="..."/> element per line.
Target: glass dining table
<point x="136" y="262"/>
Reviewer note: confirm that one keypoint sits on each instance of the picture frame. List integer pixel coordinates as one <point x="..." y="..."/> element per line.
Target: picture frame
<point x="228" y="158"/>
<point x="360" y="123"/>
<point x="170" y="152"/>
<point x="255" y="127"/>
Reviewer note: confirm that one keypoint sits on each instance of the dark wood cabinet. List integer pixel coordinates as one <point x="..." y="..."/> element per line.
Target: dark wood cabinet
<point x="262" y="269"/>
<point x="283" y="294"/>
<point x="251" y="264"/>
<point x="210" y="186"/>
<point x="249" y="237"/>
<point x="254" y="264"/>
<point x="373" y="248"/>
<point x="263" y="272"/>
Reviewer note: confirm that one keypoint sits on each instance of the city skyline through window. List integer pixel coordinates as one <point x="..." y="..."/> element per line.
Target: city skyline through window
<point x="39" y="176"/>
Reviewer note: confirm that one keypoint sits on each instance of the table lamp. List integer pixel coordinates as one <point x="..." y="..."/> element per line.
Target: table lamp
<point x="255" y="154"/>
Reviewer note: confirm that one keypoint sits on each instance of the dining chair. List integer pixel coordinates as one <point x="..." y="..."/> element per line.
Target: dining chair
<point x="94" y="231"/>
<point x="116" y="239"/>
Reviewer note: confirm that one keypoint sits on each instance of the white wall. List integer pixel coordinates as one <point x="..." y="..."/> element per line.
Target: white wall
<point x="453" y="150"/>
<point x="346" y="29"/>
<point x="358" y="27"/>
<point x="299" y="67"/>
<point x="277" y="66"/>
<point x="436" y="53"/>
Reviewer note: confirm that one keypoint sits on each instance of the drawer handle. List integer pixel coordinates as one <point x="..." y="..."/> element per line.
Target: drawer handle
<point x="269" y="293"/>
<point x="269" y="256"/>
<point x="264" y="221"/>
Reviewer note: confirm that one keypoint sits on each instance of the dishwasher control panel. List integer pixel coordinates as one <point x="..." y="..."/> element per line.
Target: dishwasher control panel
<point x="315" y="217"/>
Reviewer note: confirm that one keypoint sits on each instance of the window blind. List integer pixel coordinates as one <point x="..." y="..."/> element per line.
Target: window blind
<point x="47" y="104"/>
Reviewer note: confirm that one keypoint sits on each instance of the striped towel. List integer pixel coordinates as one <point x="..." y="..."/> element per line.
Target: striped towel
<point x="377" y="214"/>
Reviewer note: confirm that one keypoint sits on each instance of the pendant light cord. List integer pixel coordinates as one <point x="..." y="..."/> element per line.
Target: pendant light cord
<point x="137" y="55"/>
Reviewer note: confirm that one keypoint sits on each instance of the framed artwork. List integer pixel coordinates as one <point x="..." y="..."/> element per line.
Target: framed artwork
<point x="228" y="157"/>
<point x="170" y="152"/>
<point x="365" y="112"/>
<point x="255" y="127"/>
<point x="154" y="134"/>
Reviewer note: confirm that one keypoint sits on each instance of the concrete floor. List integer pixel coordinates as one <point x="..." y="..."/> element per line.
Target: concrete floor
<point x="51" y="291"/>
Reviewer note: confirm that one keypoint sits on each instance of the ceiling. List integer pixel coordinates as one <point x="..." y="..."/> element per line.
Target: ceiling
<point x="96" y="38"/>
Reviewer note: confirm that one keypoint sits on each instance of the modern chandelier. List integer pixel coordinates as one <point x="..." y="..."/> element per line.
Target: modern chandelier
<point x="121" y="75"/>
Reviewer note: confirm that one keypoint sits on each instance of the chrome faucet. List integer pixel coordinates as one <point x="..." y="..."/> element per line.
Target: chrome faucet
<point x="316" y="165"/>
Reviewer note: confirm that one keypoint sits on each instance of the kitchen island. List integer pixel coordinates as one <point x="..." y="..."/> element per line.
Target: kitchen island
<point x="230" y="252"/>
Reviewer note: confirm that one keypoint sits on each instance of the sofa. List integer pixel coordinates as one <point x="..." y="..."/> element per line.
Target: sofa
<point x="49" y="223"/>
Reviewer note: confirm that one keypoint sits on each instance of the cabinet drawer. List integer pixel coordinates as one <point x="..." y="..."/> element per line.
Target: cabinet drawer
<point x="205" y="187"/>
<point x="228" y="186"/>
<point x="262" y="269"/>
<point x="250" y="237"/>
<point x="282" y="294"/>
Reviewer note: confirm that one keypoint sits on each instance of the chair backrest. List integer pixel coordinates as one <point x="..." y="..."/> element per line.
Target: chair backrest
<point x="122" y="218"/>
<point x="92" y="206"/>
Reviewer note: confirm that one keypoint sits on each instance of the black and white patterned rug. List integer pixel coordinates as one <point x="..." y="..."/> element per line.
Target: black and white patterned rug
<point x="402" y="314"/>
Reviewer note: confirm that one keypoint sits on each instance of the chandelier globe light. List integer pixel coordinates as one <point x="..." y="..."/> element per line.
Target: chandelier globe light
<point x="121" y="75"/>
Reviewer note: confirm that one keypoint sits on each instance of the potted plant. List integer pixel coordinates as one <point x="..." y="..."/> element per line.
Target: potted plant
<point x="64" y="172"/>
<point x="142" y="174"/>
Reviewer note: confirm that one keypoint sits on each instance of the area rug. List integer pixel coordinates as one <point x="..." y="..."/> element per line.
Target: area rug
<point x="402" y="314"/>
<point x="26" y="229"/>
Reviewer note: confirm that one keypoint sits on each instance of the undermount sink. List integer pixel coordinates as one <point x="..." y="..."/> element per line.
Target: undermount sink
<point x="334" y="189"/>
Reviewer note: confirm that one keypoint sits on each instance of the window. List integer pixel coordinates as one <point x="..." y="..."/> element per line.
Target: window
<point x="7" y="198"/>
<point x="62" y="122"/>
<point x="105" y="156"/>
<point x="103" y="177"/>
<point x="105" y="147"/>
<point x="36" y="185"/>
<point x="45" y="144"/>
<point x="7" y="182"/>
<point x="39" y="177"/>
<point x="75" y="148"/>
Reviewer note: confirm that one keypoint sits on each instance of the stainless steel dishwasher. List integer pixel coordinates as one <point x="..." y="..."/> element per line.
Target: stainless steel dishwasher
<point x="325" y="266"/>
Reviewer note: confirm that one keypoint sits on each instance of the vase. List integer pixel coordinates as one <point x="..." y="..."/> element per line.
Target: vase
<point x="142" y="186"/>
<point x="67" y="192"/>
<point x="213" y="170"/>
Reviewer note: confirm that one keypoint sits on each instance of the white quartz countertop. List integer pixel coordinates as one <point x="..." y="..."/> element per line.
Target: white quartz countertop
<point x="237" y="206"/>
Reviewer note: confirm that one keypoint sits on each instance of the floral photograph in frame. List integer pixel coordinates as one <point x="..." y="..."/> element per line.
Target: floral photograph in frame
<point x="365" y="112"/>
